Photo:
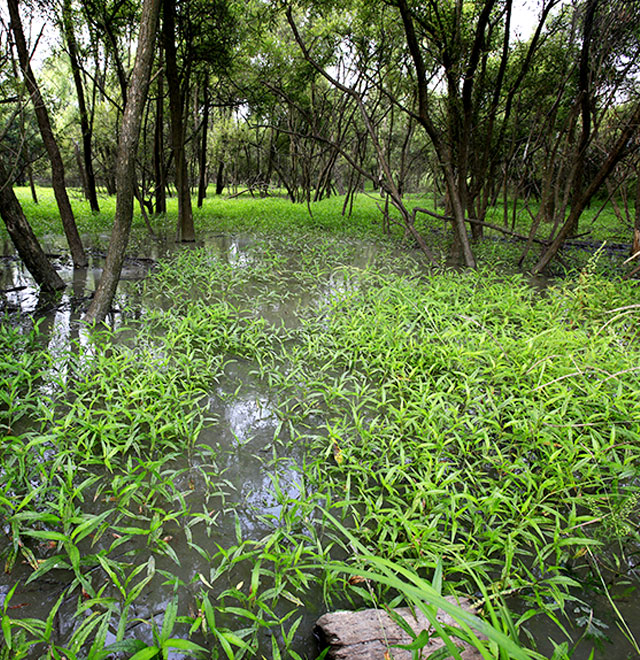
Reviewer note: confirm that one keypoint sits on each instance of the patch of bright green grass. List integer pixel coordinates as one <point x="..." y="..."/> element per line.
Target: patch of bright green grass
<point x="276" y="214"/>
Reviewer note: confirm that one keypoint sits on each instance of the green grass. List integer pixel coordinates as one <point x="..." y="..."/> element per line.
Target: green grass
<point x="272" y="214"/>
<point x="435" y="433"/>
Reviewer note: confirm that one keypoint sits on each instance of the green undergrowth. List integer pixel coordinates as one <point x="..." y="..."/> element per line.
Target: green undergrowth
<point x="276" y="213"/>
<point x="434" y="434"/>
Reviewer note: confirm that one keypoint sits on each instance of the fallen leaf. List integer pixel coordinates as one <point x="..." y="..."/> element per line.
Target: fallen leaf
<point x="337" y="454"/>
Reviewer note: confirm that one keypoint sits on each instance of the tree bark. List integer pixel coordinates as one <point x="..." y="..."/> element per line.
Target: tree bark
<point x="186" y="229"/>
<point x="202" y="184"/>
<point x="158" y="150"/>
<point x="127" y="147"/>
<point x="220" y="178"/>
<point x="24" y="239"/>
<point x="57" y="168"/>
<point x="85" y="126"/>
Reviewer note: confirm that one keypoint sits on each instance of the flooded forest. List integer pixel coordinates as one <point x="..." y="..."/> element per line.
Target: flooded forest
<point x="314" y="314"/>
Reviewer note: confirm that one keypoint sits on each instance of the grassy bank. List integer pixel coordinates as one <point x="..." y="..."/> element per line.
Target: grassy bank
<point x="428" y="433"/>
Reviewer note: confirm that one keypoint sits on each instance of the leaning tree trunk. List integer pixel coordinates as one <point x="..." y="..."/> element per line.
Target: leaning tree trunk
<point x="57" y="168"/>
<point x="24" y="239"/>
<point x="185" y="213"/>
<point x="127" y="147"/>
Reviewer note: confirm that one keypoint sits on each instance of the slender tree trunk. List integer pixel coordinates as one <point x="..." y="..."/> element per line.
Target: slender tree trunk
<point x="127" y="147"/>
<point x="185" y="213"/>
<point x="81" y="172"/>
<point x="24" y="239"/>
<point x="32" y="185"/>
<point x="85" y="126"/>
<point x="220" y="178"/>
<point x="202" y="184"/>
<point x="57" y="168"/>
<point x="158" y="151"/>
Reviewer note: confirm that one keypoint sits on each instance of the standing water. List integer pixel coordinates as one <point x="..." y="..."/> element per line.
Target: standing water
<point x="164" y="480"/>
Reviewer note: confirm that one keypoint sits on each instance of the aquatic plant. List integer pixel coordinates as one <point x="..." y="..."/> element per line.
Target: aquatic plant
<point x="460" y="431"/>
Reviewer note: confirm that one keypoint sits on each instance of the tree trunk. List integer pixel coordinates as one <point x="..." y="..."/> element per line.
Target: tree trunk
<point x="32" y="185"/>
<point x="81" y="172"/>
<point x="220" y="178"/>
<point x="24" y="239"/>
<point x="158" y="155"/>
<point x="57" y="168"/>
<point x="185" y="214"/>
<point x="85" y="127"/>
<point x="127" y="148"/>
<point x="202" y="184"/>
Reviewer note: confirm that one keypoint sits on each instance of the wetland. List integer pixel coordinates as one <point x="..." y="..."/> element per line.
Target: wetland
<point x="274" y="425"/>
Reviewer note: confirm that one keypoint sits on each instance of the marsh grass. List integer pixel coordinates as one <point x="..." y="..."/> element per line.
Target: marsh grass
<point x="435" y="433"/>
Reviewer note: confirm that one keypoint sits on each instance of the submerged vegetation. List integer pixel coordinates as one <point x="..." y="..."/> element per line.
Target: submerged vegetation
<point x="402" y="434"/>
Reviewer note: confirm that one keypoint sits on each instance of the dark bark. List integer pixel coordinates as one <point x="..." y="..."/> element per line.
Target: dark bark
<point x="158" y="151"/>
<point x="186" y="229"/>
<point x="127" y="147"/>
<point x="220" y="178"/>
<point x="202" y="183"/>
<point x="81" y="172"/>
<point x="24" y="239"/>
<point x="32" y="185"/>
<point x="85" y="125"/>
<point x="57" y="168"/>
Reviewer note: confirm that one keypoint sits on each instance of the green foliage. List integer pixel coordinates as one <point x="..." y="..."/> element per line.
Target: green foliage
<point x="456" y="432"/>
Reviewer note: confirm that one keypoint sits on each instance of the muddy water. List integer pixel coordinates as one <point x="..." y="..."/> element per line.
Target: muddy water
<point x="242" y="439"/>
